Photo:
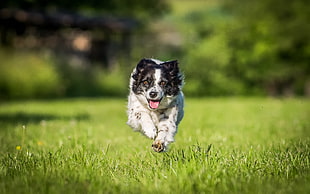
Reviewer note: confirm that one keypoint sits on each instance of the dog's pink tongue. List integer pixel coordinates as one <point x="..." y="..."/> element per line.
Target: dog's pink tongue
<point x="154" y="104"/>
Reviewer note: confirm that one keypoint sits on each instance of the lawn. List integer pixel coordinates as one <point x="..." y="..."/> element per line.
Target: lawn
<point x="224" y="145"/>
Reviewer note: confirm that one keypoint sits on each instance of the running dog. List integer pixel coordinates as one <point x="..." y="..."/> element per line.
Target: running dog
<point x="155" y="101"/>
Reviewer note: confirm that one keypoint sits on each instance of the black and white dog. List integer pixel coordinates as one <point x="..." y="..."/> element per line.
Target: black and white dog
<point x="155" y="101"/>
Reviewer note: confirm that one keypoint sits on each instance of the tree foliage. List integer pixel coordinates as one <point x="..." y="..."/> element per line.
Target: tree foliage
<point x="253" y="47"/>
<point x="249" y="47"/>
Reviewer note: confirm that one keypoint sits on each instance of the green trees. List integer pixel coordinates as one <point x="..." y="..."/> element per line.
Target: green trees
<point x="259" y="47"/>
<point x="249" y="47"/>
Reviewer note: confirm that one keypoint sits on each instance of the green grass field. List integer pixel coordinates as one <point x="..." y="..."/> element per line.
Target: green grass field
<point x="224" y="145"/>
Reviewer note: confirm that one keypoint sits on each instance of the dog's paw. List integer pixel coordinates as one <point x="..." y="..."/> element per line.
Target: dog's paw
<point x="158" y="146"/>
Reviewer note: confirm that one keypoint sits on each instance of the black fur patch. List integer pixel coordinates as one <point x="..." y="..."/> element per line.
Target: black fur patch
<point x="144" y="72"/>
<point x="174" y="78"/>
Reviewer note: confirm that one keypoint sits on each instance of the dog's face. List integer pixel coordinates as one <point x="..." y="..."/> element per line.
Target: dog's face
<point x="156" y="80"/>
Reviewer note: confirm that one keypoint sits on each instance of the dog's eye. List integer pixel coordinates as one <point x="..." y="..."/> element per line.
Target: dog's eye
<point x="145" y="82"/>
<point x="162" y="83"/>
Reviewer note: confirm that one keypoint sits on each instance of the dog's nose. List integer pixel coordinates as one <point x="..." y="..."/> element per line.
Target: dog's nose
<point x="153" y="94"/>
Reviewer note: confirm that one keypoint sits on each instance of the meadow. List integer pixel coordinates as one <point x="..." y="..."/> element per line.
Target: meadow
<point x="224" y="145"/>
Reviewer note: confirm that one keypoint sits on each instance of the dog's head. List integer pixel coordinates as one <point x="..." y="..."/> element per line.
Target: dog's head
<point x="156" y="80"/>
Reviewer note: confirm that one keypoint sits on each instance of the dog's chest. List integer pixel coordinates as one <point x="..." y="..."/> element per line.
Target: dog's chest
<point x="160" y="115"/>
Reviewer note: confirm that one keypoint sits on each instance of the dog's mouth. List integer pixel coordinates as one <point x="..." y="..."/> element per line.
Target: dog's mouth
<point x="154" y="104"/>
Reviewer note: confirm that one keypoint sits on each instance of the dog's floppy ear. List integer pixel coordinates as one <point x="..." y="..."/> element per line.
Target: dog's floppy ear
<point x="141" y="67"/>
<point x="172" y="66"/>
<point x="143" y="63"/>
<point x="175" y="78"/>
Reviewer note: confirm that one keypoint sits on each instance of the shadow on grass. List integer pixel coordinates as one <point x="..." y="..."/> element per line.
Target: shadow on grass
<point x="25" y="118"/>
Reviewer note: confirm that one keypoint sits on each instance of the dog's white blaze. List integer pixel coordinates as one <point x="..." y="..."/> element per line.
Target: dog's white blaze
<point x="157" y="75"/>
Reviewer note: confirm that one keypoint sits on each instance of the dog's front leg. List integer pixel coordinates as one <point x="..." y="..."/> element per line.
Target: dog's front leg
<point x="167" y="129"/>
<point x="141" y="121"/>
<point x="147" y="125"/>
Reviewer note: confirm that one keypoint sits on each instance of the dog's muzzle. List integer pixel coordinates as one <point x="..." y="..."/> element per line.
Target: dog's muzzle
<point x="154" y="99"/>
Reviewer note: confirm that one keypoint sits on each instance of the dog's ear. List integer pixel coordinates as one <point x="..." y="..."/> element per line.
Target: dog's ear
<point x="141" y="67"/>
<point x="172" y="66"/>
<point x="175" y="78"/>
<point x="144" y="63"/>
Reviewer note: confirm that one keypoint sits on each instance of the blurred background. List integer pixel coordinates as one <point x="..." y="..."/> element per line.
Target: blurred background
<point x="88" y="48"/>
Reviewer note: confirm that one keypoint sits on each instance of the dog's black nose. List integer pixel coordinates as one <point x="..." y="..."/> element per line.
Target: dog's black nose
<point x="153" y="94"/>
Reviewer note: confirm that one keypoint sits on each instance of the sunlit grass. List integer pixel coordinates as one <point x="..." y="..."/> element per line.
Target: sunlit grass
<point x="229" y="145"/>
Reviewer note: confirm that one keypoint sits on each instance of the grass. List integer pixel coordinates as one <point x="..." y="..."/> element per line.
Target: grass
<point x="224" y="145"/>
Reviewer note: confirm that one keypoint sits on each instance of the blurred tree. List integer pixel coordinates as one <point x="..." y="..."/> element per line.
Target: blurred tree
<point x="270" y="41"/>
<point x="86" y="39"/>
<point x="249" y="47"/>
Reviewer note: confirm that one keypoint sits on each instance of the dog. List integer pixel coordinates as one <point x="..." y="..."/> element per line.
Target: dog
<point x="156" y="101"/>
